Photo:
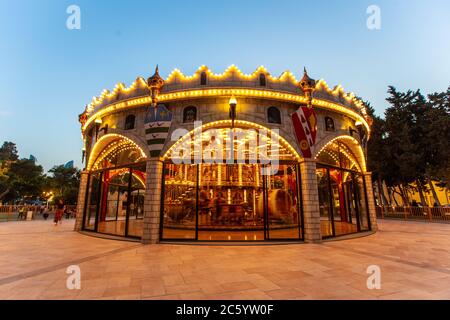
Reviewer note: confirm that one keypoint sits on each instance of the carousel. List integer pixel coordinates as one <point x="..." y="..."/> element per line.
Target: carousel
<point x="225" y="157"/>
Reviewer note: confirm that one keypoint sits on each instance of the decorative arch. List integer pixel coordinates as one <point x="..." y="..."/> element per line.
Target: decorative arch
<point x="351" y="143"/>
<point x="241" y="124"/>
<point x="111" y="144"/>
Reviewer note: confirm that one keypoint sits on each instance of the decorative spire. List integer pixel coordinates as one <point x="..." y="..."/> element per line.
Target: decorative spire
<point x="308" y="86"/>
<point x="155" y="83"/>
<point x="82" y="118"/>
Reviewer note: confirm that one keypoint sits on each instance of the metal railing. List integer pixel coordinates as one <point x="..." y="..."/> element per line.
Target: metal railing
<point x="429" y="214"/>
<point x="19" y="212"/>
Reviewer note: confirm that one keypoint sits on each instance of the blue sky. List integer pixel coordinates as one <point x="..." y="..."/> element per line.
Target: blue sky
<point x="48" y="73"/>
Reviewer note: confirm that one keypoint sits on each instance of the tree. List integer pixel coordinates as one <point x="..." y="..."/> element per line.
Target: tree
<point x="65" y="182"/>
<point x="8" y="152"/>
<point x="412" y="143"/>
<point x="376" y="152"/>
<point x="25" y="180"/>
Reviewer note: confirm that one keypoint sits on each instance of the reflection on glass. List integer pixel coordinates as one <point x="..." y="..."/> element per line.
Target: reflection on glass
<point x="362" y="205"/>
<point x="343" y="202"/>
<point x="324" y="202"/>
<point x="114" y="202"/>
<point x="283" y="203"/>
<point x="136" y="210"/>
<point x="230" y="202"/>
<point x="179" y="212"/>
<point x="92" y="201"/>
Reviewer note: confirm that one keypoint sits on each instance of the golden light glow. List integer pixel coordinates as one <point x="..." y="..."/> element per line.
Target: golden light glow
<point x="227" y="124"/>
<point x="118" y="143"/>
<point x="177" y="75"/>
<point x="226" y="92"/>
<point x="98" y="121"/>
<point x="353" y="146"/>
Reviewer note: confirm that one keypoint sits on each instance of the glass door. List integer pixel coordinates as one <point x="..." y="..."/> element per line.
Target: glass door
<point x="136" y="202"/>
<point x="179" y="214"/>
<point x="283" y="203"/>
<point x="230" y="203"/>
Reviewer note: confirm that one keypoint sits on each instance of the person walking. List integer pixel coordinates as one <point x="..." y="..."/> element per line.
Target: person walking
<point x="59" y="211"/>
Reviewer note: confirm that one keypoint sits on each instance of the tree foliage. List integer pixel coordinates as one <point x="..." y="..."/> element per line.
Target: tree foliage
<point x="23" y="179"/>
<point x="411" y="144"/>
<point x="65" y="182"/>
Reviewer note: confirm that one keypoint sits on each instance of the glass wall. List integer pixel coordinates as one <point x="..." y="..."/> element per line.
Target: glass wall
<point x="115" y="201"/>
<point x="92" y="201"/>
<point x="230" y="202"/>
<point x="342" y="193"/>
<point x="115" y="193"/>
<point x="179" y="215"/>
<point x="326" y="212"/>
<point x="283" y="203"/>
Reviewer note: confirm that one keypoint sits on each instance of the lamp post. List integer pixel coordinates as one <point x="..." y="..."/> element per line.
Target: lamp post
<point x="233" y="104"/>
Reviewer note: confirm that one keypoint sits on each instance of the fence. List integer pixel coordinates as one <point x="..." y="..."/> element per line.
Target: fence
<point x="13" y="212"/>
<point x="429" y="214"/>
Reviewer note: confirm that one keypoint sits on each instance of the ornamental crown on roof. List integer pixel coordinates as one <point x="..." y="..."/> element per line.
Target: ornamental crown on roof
<point x="231" y="77"/>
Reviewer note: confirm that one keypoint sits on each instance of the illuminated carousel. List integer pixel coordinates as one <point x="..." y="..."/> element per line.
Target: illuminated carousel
<point x="225" y="157"/>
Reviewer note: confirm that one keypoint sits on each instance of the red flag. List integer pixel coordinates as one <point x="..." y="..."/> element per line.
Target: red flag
<point x="305" y="126"/>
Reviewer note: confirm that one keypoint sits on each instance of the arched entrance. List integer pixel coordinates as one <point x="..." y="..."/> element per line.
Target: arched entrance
<point x="115" y="188"/>
<point x="224" y="183"/>
<point x="342" y="188"/>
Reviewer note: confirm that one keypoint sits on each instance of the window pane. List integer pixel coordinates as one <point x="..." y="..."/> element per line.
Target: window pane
<point x="231" y="204"/>
<point x="137" y="192"/>
<point x="324" y="202"/>
<point x="92" y="201"/>
<point x="114" y="201"/>
<point x="283" y="203"/>
<point x="362" y="204"/>
<point x="179" y="213"/>
<point x="343" y="202"/>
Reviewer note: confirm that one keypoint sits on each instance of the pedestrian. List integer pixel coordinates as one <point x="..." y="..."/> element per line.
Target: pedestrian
<point x="21" y="213"/>
<point x="59" y="211"/>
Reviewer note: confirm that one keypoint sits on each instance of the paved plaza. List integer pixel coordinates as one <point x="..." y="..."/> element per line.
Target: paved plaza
<point x="414" y="259"/>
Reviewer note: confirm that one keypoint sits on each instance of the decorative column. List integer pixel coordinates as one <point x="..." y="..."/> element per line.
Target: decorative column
<point x="310" y="197"/>
<point x="371" y="201"/>
<point x="81" y="200"/>
<point x="152" y="202"/>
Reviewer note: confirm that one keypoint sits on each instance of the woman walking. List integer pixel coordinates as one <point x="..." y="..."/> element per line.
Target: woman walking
<point x="59" y="211"/>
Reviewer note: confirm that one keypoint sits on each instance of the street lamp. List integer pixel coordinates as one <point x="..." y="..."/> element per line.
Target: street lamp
<point x="233" y="104"/>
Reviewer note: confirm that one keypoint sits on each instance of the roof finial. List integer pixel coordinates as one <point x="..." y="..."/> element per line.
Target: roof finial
<point x="307" y="85"/>
<point x="155" y="83"/>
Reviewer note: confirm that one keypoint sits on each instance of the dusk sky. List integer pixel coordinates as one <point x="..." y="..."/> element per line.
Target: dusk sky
<point x="48" y="73"/>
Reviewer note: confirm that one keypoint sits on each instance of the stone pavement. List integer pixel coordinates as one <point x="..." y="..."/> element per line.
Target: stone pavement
<point x="414" y="259"/>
